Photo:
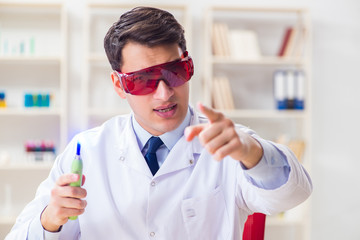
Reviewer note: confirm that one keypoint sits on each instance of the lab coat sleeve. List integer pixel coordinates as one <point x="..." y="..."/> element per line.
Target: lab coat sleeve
<point x="28" y="225"/>
<point x="272" y="171"/>
<point x="36" y="233"/>
<point x="293" y="187"/>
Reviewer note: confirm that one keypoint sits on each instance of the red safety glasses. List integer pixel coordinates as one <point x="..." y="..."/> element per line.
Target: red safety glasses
<point x="146" y="80"/>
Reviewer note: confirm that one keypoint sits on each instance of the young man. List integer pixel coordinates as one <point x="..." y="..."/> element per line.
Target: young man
<point x="201" y="180"/>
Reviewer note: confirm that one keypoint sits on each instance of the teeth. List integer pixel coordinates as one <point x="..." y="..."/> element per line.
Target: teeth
<point x="166" y="109"/>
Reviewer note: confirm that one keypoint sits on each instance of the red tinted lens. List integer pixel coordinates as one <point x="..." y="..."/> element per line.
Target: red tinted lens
<point x="178" y="73"/>
<point x="141" y="82"/>
<point x="145" y="81"/>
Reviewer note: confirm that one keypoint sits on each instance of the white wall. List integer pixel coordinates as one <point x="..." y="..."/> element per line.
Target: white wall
<point x="336" y="118"/>
<point x="336" y="111"/>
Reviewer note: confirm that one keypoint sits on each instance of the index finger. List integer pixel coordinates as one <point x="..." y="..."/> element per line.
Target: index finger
<point x="210" y="113"/>
<point x="66" y="179"/>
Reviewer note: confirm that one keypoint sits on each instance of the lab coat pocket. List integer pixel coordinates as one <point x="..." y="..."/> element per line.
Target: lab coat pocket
<point x="206" y="217"/>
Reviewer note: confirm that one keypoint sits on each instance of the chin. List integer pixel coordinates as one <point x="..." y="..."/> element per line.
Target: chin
<point x="167" y="126"/>
<point x="170" y="126"/>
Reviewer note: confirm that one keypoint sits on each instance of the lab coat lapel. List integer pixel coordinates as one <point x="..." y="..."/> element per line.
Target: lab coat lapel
<point x="183" y="154"/>
<point x="129" y="152"/>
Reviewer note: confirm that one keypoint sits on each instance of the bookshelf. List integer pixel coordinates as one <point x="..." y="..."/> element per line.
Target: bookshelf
<point x="100" y="101"/>
<point x="245" y="45"/>
<point x="32" y="60"/>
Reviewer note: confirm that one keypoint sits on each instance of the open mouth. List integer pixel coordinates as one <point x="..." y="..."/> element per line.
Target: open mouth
<point x="166" y="109"/>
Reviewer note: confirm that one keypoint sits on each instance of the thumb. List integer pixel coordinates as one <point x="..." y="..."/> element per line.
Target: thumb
<point x="192" y="131"/>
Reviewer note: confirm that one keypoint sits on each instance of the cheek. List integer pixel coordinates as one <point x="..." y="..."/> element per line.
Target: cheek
<point x="139" y="104"/>
<point x="182" y="93"/>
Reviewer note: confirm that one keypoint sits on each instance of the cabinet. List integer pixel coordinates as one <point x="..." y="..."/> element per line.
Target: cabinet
<point x="32" y="61"/>
<point x="242" y="45"/>
<point x="100" y="101"/>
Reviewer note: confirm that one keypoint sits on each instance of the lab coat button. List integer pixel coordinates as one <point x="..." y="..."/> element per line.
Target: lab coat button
<point x="191" y="161"/>
<point x="152" y="234"/>
<point x="153" y="183"/>
<point x="190" y="213"/>
<point x="122" y="158"/>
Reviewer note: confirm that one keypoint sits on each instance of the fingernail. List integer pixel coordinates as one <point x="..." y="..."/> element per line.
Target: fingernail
<point x="74" y="177"/>
<point x="186" y="132"/>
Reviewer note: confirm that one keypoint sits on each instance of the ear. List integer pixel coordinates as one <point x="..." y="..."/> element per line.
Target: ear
<point x="117" y="86"/>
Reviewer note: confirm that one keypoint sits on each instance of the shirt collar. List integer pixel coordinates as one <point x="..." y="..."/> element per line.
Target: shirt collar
<point x="168" y="138"/>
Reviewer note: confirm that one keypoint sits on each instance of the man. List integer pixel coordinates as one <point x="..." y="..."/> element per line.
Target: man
<point x="201" y="180"/>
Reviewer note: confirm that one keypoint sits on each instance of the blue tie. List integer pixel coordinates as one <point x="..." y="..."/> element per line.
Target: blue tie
<point x="150" y="156"/>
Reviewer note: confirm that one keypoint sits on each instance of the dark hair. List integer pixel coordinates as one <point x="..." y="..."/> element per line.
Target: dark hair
<point x="145" y="25"/>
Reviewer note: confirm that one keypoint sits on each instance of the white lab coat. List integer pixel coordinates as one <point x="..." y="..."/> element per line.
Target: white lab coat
<point x="191" y="197"/>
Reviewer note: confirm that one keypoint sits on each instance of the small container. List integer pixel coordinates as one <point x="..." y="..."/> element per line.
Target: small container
<point x="300" y="90"/>
<point x="29" y="100"/>
<point x="2" y="100"/>
<point x="290" y="89"/>
<point x="45" y="100"/>
<point x="279" y="90"/>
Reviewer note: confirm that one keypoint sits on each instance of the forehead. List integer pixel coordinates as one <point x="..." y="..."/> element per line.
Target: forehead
<point x="136" y="56"/>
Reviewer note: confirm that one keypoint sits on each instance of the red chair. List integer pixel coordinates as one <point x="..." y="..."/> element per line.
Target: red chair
<point x="254" y="228"/>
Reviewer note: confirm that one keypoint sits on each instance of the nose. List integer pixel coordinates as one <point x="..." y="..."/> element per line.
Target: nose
<point x="163" y="91"/>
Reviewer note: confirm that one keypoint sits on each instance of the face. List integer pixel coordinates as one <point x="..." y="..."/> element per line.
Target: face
<point x="164" y="109"/>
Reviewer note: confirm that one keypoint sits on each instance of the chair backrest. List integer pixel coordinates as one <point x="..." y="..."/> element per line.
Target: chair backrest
<point x="254" y="228"/>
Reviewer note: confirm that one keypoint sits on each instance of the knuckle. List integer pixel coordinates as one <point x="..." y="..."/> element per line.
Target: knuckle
<point x="220" y="115"/>
<point x="229" y="122"/>
<point x="230" y="132"/>
<point x="84" y="192"/>
<point x="220" y="153"/>
<point x="79" y="204"/>
<point x="202" y="137"/>
<point x="209" y="148"/>
<point x="54" y="192"/>
<point x="61" y="179"/>
<point x="72" y="191"/>
<point x="84" y="202"/>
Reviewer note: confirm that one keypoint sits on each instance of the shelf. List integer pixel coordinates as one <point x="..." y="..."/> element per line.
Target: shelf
<point x="30" y="59"/>
<point x="257" y="9"/>
<point x="28" y="4"/>
<point x="97" y="57"/>
<point x="25" y="166"/>
<point x="29" y="111"/>
<point x="129" y="5"/>
<point x="96" y="112"/>
<point x="7" y="220"/>
<point x="284" y="114"/>
<point x="260" y="61"/>
<point x="248" y="78"/>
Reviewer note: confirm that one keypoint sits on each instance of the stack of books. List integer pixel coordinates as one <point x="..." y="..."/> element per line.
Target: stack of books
<point x="240" y="44"/>
<point x="222" y="94"/>
<point x="293" y="43"/>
